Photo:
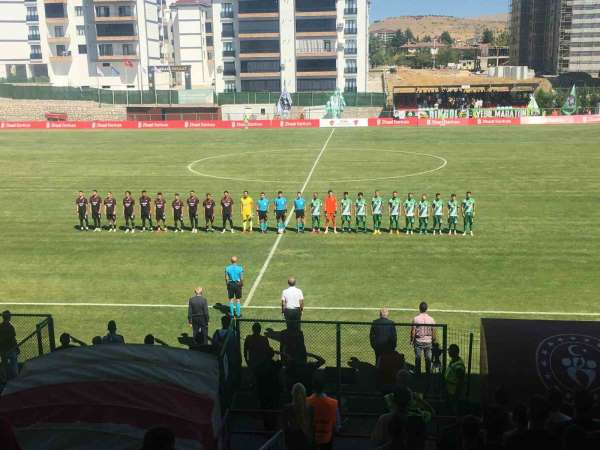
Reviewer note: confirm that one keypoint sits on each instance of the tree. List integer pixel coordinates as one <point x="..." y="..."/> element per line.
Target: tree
<point x="397" y="41"/>
<point x="502" y="39"/>
<point x="427" y="38"/>
<point x="487" y="36"/>
<point x="447" y="55"/>
<point x="410" y="37"/>
<point x="445" y="38"/>
<point x="377" y="52"/>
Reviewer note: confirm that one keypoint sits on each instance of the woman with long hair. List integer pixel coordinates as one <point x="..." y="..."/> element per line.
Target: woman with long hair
<point x="298" y="421"/>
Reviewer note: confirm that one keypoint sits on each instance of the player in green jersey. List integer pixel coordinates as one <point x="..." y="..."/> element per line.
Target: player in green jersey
<point x="452" y="214"/>
<point x="468" y="211"/>
<point x="361" y="213"/>
<point x="394" y="210"/>
<point x="346" y="204"/>
<point x="409" y="211"/>
<point x="315" y="212"/>
<point x="438" y="212"/>
<point x="376" y="210"/>
<point x="423" y="214"/>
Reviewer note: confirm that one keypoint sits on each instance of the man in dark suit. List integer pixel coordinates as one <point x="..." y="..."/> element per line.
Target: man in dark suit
<point x="383" y="334"/>
<point x="198" y="316"/>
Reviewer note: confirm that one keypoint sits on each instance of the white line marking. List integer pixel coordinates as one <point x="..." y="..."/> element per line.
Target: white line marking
<point x="280" y="236"/>
<point x="315" y="308"/>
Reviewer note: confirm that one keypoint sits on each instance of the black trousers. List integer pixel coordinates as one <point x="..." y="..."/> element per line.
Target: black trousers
<point x="292" y="316"/>
<point x="200" y="330"/>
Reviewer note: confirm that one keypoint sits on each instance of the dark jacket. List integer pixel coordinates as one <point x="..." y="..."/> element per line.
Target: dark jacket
<point x="198" y="310"/>
<point x="383" y="335"/>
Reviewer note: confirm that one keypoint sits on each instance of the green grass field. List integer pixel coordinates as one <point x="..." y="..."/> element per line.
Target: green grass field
<point x="536" y="248"/>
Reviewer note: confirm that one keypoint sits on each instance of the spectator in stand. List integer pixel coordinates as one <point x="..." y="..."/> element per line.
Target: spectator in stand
<point x="112" y="337"/>
<point x="326" y="414"/>
<point x="584" y="413"/>
<point x="292" y="347"/>
<point x="383" y="334"/>
<point x="418" y="405"/>
<point x="292" y="303"/>
<point x="422" y="337"/>
<point x="149" y="339"/>
<point x="556" y="419"/>
<point x="198" y="316"/>
<point x="388" y="366"/>
<point x="455" y="373"/>
<point x="65" y="342"/>
<point x="256" y="348"/>
<point x="220" y="336"/>
<point x="97" y="340"/>
<point x="400" y="429"/>
<point x="159" y="438"/>
<point x="268" y="387"/>
<point x="470" y="434"/>
<point x="520" y="422"/>
<point x="536" y="435"/>
<point x="9" y="350"/>
<point x="298" y="420"/>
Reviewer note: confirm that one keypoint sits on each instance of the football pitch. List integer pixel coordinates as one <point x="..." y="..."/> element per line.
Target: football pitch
<point x="535" y="253"/>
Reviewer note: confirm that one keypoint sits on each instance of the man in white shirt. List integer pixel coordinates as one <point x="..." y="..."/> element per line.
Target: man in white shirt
<point x="422" y="337"/>
<point x="292" y="303"/>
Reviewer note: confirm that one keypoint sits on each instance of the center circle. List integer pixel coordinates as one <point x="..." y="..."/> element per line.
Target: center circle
<point x="198" y="167"/>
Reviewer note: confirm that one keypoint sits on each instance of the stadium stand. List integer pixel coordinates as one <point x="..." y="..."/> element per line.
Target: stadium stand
<point x="11" y="110"/>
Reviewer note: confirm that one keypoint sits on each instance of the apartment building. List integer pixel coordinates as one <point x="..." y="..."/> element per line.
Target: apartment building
<point x="556" y="36"/>
<point x="298" y="45"/>
<point x="99" y="43"/>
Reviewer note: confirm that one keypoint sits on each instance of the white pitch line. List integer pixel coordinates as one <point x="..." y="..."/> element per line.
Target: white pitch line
<point x="263" y="269"/>
<point x="315" y="308"/>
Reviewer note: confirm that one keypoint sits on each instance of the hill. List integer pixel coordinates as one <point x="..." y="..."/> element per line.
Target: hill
<point x="461" y="29"/>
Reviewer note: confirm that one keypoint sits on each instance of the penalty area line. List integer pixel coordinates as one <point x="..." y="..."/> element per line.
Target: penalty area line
<point x="309" y="308"/>
<point x="265" y="266"/>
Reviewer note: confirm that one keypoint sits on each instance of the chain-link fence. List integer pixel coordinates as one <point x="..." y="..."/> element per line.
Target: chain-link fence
<point x="363" y="99"/>
<point x="34" y="335"/>
<point x="109" y="96"/>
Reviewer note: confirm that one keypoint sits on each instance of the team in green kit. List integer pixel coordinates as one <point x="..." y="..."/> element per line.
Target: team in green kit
<point x="423" y="216"/>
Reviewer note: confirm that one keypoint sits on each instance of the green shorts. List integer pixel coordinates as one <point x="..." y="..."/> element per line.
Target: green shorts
<point x="346" y="218"/>
<point x="452" y="220"/>
<point x="410" y="219"/>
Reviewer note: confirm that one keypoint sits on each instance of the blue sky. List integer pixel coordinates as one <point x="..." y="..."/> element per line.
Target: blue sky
<point x="460" y="8"/>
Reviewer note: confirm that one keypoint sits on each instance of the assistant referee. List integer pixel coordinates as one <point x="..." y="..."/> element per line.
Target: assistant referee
<point x="292" y="303"/>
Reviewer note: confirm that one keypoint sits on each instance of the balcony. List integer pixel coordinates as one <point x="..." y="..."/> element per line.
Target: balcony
<point x="117" y="38"/>
<point x="315" y="53"/>
<point x="350" y="30"/>
<point x="226" y="14"/>
<point x="228" y="53"/>
<point x="316" y="14"/>
<point x="32" y="18"/>
<point x="229" y="73"/>
<point x="274" y="34"/>
<point x="57" y="20"/>
<point x="260" y="75"/>
<point x="59" y="39"/>
<point x="51" y="2"/>
<point x="35" y="56"/>
<point x="324" y="74"/>
<point x="350" y="70"/>
<point x="105" y="58"/>
<point x="350" y="11"/>
<point x="61" y="59"/>
<point x="350" y="51"/>
<point x="260" y="55"/>
<point x="33" y="37"/>
<point x="227" y="34"/>
<point x="116" y="19"/>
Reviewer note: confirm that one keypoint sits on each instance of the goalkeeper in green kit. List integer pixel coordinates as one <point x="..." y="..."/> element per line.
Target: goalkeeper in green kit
<point x="452" y="215"/>
<point x="394" y="210"/>
<point x="376" y="210"/>
<point x="346" y="203"/>
<point x="361" y="213"/>
<point x="468" y="210"/>
<point x="315" y="212"/>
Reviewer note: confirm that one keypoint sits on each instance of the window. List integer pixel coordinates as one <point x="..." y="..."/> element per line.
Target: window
<point x="350" y="85"/>
<point x="82" y="49"/>
<point x="259" y="46"/>
<point x="229" y="86"/>
<point x="229" y="68"/>
<point x="209" y="41"/>
<point x="228" y="49"/>
<point x="208" y="27"/>
<point x="316" y="84"/>
<point x="61" y="50"/>
<point x="315" y="5"/>
<point x="313" y="25"/>
<point x="55" y="10"/>
<point x="34" y="33"/>
<point x="314" y="45"/>
<point x="79" y="11"/>
<point x="351" y="7"/>
<point x="59" y="31"/>
<point x="128" y="49"/>
<point x="350" y="27"/>
<point x="80" y="30"/>
<point x="259" y="26"/>
<point x="228" y="30"/>
<point x="316" y="65"/>
<point x="125" y="11"/>
<point x="36" y="52"/>
<point x="102" y="11"/>
<point x="227" y="11"/>
<point x="272" y="85"/>
<point x="260" y="66"/>
<point x="350" y="48"/>
<point x="105" y="49"/>
<point x="259" y="6"/>
<point x="115" y="29"/>
<point x="350" y="66"/>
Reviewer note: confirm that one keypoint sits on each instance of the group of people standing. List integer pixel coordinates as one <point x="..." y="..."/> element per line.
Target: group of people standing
<point x="353" y="213"/>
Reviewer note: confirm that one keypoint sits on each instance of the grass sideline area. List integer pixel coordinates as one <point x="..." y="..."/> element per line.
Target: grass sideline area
<point x="536" y="246"/>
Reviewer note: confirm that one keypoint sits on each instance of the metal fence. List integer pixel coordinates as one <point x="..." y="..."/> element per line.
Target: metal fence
<point x="35" y="336"/>
<point x="108" y="96"/>
<point x="367" y="99"/>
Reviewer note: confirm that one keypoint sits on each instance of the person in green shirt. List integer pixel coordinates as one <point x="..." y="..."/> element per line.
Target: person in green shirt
<point x="454" y="375"/>
<point x="452" y="214"/>
<point x="394" y="210"/>
<point x="361" y="213"/>
<point x="468" y="212"/>
<point x="409" y="211"/>
<point x="346" y="203"/>
<point x="437" y="206"/>
<point x="423" y="214"/>
<point x="376" y="210"/>
<point x="315" y="212"/>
